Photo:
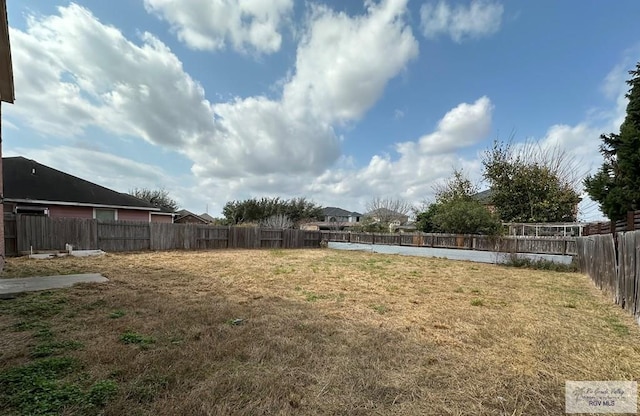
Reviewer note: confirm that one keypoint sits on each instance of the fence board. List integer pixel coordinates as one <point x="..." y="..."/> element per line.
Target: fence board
<point x="10" y="235"/>
<point x="123" y="236"/>
<point x="614" y="269"/>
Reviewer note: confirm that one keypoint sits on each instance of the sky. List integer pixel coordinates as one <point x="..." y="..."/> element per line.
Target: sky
<point x="336" y="101"/>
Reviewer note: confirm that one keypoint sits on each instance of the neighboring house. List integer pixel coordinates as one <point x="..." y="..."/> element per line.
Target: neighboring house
<point x="208" y="218"/>
<point x="334" y="218"/>
<point x="32" y="188"/>
<point x="334" y="214"/>
<point x="7" y="95"/>
<point x="485" y="198"/>
<point x="395" y="219"/>
<point x="187" y="217"/>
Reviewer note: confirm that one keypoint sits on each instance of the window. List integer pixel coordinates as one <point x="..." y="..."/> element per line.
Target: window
<point x="27" y="210"/>
<point x="105" y="214"/>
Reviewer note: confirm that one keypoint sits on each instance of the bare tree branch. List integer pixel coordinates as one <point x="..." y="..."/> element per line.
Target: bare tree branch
<point x="388" y="210"/>
<point x="279" y="221"/>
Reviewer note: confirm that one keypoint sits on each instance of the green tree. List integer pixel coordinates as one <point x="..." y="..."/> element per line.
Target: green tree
<point x="158" y="197"/>
<point x="531" y="184"/>
<point x="616" y="186"/>
<point x="456" y="211"/>
<point x="255" y="210"/>
<point x="424" y="219"/>
<point x="465" y="216"/>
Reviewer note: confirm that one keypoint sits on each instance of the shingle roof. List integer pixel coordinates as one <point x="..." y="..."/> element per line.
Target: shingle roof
<point x="185" y="213"/>
<point x="338" y="212"/>
<point x="26" y="179"/>
<point x="484" y="197"/>
<point x="6" y="70"/>
<point x="207" y="217"/>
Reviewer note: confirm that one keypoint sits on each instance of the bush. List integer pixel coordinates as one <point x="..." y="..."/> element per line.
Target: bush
<point x="464" y="216"/>
<point x="515" y="260"/>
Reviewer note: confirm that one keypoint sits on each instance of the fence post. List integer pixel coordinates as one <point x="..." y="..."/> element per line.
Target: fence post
<point x="630" y="221"/>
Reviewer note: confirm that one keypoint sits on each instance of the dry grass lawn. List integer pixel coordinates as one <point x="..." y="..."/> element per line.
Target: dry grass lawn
<point x="312" y="332"/>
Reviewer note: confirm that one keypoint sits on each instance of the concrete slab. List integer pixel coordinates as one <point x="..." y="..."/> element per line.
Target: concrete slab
<point x="451" y="254"/>
<point x="11" y="287"/>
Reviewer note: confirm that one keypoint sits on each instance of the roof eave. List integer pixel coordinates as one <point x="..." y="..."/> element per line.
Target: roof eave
<point x="7" y="92"/>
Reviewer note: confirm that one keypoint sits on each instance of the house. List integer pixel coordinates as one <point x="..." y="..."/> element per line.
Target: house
<point x="395" y="219"/>
<point x="334" y="218"/>
<point x="334" y="214"/>
<point x="32" y="188"/>
<point x="187" y="217"/>
<point x="208" y="218"/>
<point x="485" y="198"/>
<point x="7" y="95"/>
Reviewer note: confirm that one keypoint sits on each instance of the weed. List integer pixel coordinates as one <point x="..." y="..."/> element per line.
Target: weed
<point x="38" y="388"/>
<point x="22" y="326"/>
<point x="101" y="392"/>
<point x="515" y="260"/>
<point x="130" y="337"/>
<point x="95" y="305"/>
<point x="618" y="327"/>
<point x="146" y="389"/>
<point x="117" y="314"/>
<point x="477" y="302"/>
<point x="381" y="309"/>
<point x="44" y="333"/>
<point x="283" y="270"/>
<point x="42" y="305"/>
<point x="312" y="297"/>
<point x="47" y="349"/>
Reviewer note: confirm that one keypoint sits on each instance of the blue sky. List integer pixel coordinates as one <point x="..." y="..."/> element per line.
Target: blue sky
<point x="336" y="101"/>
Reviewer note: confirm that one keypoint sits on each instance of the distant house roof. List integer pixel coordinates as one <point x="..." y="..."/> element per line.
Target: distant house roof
<point x="207" y="217"/>
<point x="183" y="213"/>
<point x="28" y="181"/>
<point x="484" y="197"/>
<point x="6" y="69"/>
<point x="338" y="212"/>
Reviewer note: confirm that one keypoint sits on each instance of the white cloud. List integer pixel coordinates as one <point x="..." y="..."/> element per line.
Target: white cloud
<point x="73" y="72"/>
<point x="398" y="114"/>
<point x="480" y="18"/>
<point x="410" y="174"/>
<point x="343" y="63"/>
<point x="419" y="164"/>
<point x="461" y="127"/>
<point x="211" y="25"/>
<point x="91" y="75"/>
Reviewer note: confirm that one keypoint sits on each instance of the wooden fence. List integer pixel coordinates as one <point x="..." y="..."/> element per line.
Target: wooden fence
<point x="614" y="268"/>
<point x="631" y="223"/>
<point x="508" y="244"/>
<point x="24" y="233"/>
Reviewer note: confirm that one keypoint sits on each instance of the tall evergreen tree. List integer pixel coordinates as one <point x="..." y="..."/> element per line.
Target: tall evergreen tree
<point x="616" y="186"/>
